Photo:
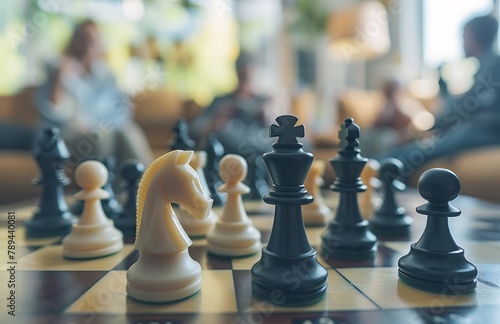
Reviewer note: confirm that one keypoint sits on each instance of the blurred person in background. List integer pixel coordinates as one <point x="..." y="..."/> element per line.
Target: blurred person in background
<point x="470" y="121"/>
<point x="392" y="125"/>
<point x="81" y="97"/>
<point x="240" y="121"/>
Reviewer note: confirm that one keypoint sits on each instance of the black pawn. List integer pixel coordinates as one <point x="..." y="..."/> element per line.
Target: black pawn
<point x="215" y="151"/>
<point x="347" y="236"/>
<point x="390" y="220"/>
<point x="132" y="172"/>
<point x="288" y="272"/>
<point x="436" y="263"/>
<point x="110" y="206"/>
<point x="52" y="217"/>
<point x="181" y="140"/>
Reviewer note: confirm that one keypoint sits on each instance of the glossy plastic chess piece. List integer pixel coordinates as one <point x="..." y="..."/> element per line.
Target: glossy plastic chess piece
<point x="316" y="213"/>
<point x="258" y="181"/>
<point x="233" y="234"/>
<point x="288" y="249"/>
<point x="215" y="152"/>
<point x="436" y="263"/>
<point x="94" y="236"/>
<point x="367" y="198"/>
<point x="112" y="208"/>
<point x="131" y="171"/>
<point x="194" y="227"/>
<point x="390" y="220"/>
<point x="52" y="217"/>
<point x="165" y="271"/>
<point x="110" y="205"/>
<point x="347" y="236"/>
<point x="181" y="140"/>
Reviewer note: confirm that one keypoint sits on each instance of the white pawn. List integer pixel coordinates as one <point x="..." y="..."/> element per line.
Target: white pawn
<point x="194" y="227"/>
<point x="233" y="235"/>
<point x="316" y="213"/>
<point x="94" y="236"/>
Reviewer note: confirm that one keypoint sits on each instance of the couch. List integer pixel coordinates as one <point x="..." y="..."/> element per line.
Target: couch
<point x="157" y="110"/>
<point x="477" y="170"/>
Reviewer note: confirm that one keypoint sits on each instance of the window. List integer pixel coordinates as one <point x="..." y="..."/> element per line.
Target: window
<point x="443" y="21"/>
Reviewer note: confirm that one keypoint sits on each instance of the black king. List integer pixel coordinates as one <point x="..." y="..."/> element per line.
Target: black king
<point x="288" y="272"/>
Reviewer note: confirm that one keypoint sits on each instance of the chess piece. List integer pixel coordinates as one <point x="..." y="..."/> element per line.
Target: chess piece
<point x="288" y="250"/>
<point x="436" y="263"/>
<point x="165" y="272"/>
<point x="215" y="151"/>
<point x="131" y="171"/>
<point x="347" y="235"/>
<point x="258" y="181"/>
<point x="94" y="236"/>
<point x="390" y="220"/>
<point x="110" y="206"/>
<point x="194" y="227"/>
<point x="317" y="213"/>
<point x="366" y="198"/>
<point x="77" y="207"/>
<point x="181" y="140"/>
<point x="52" y="217"/>
<point x="233" y="235"/>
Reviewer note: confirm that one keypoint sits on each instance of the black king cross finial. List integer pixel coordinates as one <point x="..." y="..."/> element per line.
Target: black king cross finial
<point x="348" y="135"/>
<point x="286" y="131"/>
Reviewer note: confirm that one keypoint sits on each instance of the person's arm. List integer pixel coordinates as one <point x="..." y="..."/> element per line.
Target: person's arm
<point x="480" y="103"/>
<point x="51" y="98"/>
<point x="211" y="118"/>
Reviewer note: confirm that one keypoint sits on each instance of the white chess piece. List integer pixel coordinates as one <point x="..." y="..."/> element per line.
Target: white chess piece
<point x="165" y="271"/>
<point x="197" y="228"/>
<point x="233" y="235"/>
<point x="94" y="236"/>
<point x="316" y="213"/>
<point x="367" y="198"/>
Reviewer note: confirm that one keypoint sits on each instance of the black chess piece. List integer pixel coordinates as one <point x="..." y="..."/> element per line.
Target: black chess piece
<point x="77" y="208"/>
<point x="347" y="236"/>
<point x="131" y="171"/>
<point x="390" y="220"/>
<point x="288" y="272"/>
<point x="52" y="216"/>
<point x="215" y="151"/>
<point x="436" y="263"/>
<point x="181" y="140"/>
<point x="110" y="206"/>
<point x="257" y="179"/>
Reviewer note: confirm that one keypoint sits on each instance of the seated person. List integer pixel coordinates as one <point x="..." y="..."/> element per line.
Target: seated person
<point x="392" y="125"/>
<point x="239" y="121"/>
<point x="81" y="97"/>
<point x="470" y="121"/>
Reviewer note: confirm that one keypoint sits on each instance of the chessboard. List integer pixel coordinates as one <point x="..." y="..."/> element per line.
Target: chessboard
<point x="47" y="288"/>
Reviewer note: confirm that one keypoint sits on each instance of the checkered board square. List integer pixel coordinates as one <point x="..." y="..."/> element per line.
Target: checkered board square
<point x="52" y="289"/>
